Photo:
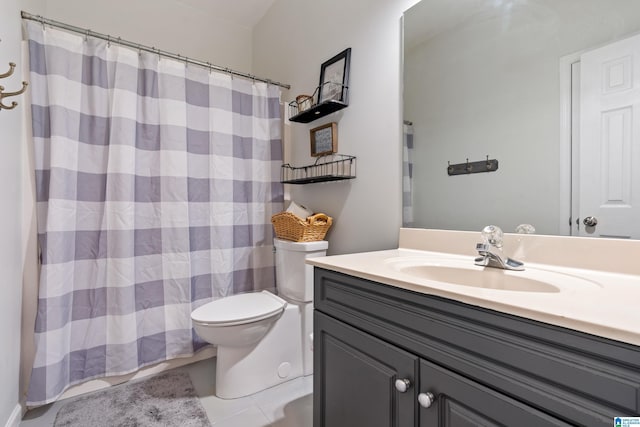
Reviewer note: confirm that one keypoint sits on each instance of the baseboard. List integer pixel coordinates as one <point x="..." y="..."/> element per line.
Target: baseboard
<point x="15" y="417"/>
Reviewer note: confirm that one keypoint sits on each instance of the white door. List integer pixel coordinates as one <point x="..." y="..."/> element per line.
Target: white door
<point x="609" y="186"/>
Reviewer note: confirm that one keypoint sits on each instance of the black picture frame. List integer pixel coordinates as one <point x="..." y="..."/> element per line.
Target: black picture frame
<point x="334" y="78"/>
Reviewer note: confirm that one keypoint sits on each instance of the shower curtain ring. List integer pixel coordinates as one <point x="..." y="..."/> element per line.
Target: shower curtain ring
<point x="108" y="40"/>
<point x="209" y="64"/>
<point x="42" y="22"/>
<point x="86" y="35"/>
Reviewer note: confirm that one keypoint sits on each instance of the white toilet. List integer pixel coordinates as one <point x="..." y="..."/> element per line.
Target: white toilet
<point x="264" y="339"/>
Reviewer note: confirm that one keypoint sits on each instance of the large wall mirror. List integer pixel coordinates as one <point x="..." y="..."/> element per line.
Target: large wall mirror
<point x="550" y="89"/>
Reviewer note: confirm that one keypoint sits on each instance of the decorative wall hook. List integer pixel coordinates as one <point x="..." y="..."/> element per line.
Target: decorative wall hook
<point x="488" y="165"/>
<point x="4" y="94"/>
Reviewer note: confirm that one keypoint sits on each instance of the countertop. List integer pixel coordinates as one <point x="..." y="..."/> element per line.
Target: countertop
<point x="608" y="306"/>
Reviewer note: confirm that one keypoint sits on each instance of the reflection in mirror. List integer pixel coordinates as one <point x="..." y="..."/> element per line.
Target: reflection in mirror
<point x="540" y="85"/>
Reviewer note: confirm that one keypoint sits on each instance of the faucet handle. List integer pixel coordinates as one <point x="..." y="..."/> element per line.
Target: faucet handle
<point x="492" y="235"/>
<point x="525" y="229"/>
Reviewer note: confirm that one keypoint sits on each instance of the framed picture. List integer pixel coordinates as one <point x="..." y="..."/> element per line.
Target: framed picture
<point x="334" y="78"/>
<point x="324" y="139"/>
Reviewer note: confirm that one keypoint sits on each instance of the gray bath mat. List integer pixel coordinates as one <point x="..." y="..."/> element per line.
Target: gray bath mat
<point x="165" y="400"/>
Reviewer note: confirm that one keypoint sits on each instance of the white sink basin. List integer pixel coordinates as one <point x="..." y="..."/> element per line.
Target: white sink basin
<point x="465" y="273"/>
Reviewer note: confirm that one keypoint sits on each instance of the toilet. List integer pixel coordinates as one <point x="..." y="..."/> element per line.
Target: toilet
<point x="263" y="339"/>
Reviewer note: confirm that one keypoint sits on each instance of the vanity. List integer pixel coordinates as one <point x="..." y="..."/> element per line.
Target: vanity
<point x="420" y="336"/>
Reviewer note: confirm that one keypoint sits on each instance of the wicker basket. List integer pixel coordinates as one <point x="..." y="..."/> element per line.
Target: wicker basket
<point x="290" y="227"/>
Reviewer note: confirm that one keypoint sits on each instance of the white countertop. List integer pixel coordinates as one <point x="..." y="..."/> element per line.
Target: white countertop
<point x="608" y="305"/>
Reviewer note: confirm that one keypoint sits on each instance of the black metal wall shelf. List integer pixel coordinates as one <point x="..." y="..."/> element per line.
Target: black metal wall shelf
<point x="335" y="167"/>
<point x="306" y="108"/>
<point x="317" y="111"/>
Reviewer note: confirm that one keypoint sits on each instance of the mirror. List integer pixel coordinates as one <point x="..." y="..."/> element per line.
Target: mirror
<point x="498" y="78"/>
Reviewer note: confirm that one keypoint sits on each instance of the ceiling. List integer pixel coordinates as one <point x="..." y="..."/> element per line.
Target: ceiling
<point x="241" y="12"/>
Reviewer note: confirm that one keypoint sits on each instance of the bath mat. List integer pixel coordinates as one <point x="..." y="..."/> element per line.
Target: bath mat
<point x="168" y="399"/>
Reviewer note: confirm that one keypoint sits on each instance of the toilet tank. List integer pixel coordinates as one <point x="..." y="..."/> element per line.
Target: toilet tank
<point x="294" y="278"/>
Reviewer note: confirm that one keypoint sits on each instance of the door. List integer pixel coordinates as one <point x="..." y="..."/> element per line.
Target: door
<point x="355" y="379"/>
<point x="609" y="188"/>
<point x="450" y="400"/>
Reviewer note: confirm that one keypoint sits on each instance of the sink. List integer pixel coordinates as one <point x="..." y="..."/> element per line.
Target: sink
<point x="465" y="273"/>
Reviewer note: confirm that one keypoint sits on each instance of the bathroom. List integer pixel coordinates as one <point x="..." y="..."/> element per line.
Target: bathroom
<point x="282" y="46"/>
<point x="285" y="40"/>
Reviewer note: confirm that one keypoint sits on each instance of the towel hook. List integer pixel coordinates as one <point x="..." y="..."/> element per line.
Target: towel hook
<point x="8" y="94"/>
<point x="3" y="94"/>
<point x="12" y="67"/>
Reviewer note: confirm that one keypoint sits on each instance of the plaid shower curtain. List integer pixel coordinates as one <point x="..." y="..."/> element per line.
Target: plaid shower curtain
<point x="407" y="175"/>
<point x="155" y="183"/>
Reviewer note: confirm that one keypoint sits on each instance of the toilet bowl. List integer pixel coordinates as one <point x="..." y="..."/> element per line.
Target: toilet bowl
<point x="262" y="339"/>
<point x="239" y="320"/>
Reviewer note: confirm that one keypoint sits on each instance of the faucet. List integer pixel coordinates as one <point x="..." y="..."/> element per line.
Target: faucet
<point x="490" y="251"/>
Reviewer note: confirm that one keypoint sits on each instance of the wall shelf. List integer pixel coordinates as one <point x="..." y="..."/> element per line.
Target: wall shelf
<point x="335" y="167"/>
<point x="306" y="108"/>
<point x="318" y="111"/>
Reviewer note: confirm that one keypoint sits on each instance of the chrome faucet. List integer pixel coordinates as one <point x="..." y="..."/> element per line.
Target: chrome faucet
<point x="490" y="251"/>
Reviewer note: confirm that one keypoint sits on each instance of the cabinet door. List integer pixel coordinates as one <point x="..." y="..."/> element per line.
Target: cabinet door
<point x="355" y="376"/>
<point x="460" y="402"/>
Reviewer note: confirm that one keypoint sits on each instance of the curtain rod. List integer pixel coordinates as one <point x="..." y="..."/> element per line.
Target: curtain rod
<point x="118" y="40"/>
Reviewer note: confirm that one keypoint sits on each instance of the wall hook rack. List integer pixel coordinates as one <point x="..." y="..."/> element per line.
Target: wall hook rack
<point x="487" y="165"/>
<point x="4" y="94"/>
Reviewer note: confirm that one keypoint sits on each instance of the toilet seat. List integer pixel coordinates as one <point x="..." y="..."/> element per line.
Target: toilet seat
<point x="239" y="309"/>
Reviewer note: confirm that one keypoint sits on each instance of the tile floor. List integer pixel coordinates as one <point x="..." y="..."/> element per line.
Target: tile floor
<point x="286" y="405"/>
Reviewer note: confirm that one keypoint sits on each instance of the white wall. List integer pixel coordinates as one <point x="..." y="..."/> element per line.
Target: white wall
<point x="290" y="43"/>
<point x="170" y="25"/>
<point x="11" y="247"/>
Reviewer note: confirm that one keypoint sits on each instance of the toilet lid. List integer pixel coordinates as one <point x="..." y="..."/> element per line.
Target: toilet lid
<point x="239" y="309"/>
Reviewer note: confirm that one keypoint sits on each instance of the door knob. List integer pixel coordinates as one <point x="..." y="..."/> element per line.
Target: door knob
<point x="402" y="385"/>
<point x="426" y="399"/>
<point x="590" y="221"/>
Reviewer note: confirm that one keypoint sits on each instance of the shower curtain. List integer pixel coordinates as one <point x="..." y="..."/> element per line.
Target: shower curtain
<point x="156" y="182"/>
<point x="407" y="175"/>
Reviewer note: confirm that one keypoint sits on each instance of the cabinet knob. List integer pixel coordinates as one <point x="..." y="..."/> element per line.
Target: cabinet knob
<point x="426" y="399"/>
<point x="402" y="385"/>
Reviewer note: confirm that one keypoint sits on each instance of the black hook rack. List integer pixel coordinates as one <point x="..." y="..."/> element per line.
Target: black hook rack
<point x="487" y="165"/>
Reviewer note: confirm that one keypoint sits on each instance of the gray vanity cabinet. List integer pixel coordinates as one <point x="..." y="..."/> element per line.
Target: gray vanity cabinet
<point x="360" y="389"/>
<point x="384" y="356"/>
<point x="456" y="401"/>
